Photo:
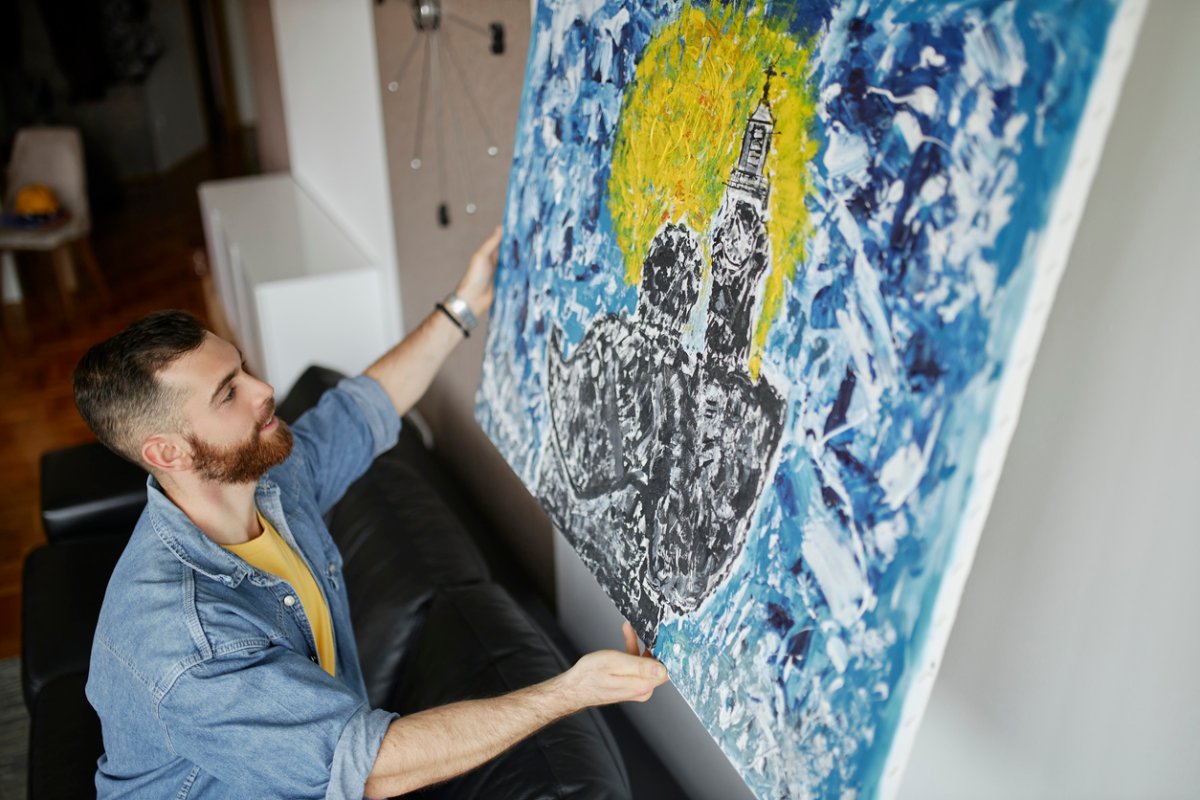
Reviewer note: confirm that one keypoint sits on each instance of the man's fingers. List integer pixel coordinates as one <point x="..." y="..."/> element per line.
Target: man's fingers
<point x="654" y="670"/>
<point x="610" y="676"/>
<point x="645" y="668"/>
<point x="631" y="642"/>
<point x="492" y="245"/>
<point x="476" y="284"/>
<point x="489" y="251"/>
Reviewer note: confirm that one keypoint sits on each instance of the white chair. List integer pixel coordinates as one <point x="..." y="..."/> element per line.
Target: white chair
<point x="52" y="156"/>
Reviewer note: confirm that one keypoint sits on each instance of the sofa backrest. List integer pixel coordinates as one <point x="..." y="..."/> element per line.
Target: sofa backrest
<point x="400" y="543"/>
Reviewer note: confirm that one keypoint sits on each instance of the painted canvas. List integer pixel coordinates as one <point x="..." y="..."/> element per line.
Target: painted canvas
<point x="772" y="279"/>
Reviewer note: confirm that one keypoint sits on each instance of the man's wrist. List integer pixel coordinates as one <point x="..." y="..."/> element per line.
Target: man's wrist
<point x="478" y="304"/>
<point x="560" y="696"/>
<point x="458" y="311"/>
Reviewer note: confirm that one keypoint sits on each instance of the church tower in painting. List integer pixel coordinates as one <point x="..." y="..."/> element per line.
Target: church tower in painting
<point x="749" y="174"/>
<point x="740" y="248"/>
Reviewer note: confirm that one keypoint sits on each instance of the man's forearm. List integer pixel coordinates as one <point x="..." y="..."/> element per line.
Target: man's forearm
<point x="438" y="744"/>
<point x="406" y="370"/>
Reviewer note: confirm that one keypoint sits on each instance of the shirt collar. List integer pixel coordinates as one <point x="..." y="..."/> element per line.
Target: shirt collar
<point x="190" y="544"/>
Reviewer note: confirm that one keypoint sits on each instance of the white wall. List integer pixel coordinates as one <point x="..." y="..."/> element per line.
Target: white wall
<point x="331" y="101"/>
<point x="1070" y="669"/>
<point x="240" y="61"/>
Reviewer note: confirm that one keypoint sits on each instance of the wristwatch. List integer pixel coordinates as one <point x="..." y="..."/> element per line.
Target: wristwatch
<point x="459" y="313"/>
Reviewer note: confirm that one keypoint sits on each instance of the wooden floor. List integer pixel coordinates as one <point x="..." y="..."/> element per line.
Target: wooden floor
<point x="145" y="248"/>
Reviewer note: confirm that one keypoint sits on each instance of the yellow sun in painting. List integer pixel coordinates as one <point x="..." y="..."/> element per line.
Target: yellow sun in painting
<point x="682" y="119"/>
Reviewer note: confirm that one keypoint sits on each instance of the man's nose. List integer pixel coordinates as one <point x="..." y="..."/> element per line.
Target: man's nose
<point x="265" y="392"/>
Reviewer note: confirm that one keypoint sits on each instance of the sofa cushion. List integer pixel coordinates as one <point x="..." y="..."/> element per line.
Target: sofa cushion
<point x="477" y="642"/>
<point x="399" y="543"/>
<point x="62" y="587"/>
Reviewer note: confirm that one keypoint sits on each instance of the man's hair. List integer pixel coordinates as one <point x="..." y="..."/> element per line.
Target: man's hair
<point x="117" y="390"/>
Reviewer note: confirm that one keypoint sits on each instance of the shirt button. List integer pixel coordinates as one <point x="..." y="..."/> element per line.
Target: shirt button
<point x="289" y="601"/>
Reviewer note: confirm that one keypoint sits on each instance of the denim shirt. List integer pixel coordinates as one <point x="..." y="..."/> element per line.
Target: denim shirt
<point x="204" y="672"/>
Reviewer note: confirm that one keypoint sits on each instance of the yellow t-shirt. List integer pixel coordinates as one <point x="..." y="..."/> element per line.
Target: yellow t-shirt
<point x="270" y="553"/>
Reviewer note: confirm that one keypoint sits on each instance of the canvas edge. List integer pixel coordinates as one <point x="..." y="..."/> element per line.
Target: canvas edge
<point x="491" y="335"/>
<point x="1051" y="261"/>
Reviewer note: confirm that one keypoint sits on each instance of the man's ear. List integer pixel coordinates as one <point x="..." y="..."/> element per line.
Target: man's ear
<point x="167" y="453"/>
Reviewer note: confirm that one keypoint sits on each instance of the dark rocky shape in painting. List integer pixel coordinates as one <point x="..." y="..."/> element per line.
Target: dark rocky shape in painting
<point x="660" y="454"/>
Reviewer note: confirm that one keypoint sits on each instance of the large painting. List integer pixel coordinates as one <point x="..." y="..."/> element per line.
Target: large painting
<point x="772" y="279"/>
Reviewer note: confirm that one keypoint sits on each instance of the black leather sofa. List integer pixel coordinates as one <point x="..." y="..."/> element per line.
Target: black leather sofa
<point x="432" y="624"/>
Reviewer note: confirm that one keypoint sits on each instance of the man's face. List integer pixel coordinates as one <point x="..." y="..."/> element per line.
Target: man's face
<point x="228" y="416"/>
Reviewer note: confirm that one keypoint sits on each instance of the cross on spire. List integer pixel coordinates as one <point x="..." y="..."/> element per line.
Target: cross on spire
<point x="770" y="73"/>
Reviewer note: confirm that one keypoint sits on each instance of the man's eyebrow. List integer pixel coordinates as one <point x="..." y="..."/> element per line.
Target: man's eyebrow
<point x="226" y="380"/>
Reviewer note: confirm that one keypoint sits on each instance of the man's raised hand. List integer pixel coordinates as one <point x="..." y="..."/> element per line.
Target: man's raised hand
<point x="476" y="285"/>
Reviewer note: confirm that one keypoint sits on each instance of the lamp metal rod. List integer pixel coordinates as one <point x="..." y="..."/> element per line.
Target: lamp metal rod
<point x="463" y="172"/>
<point x="462" y="79"/>
<point x="394" y="84"/>
<point x="421" y="100"/>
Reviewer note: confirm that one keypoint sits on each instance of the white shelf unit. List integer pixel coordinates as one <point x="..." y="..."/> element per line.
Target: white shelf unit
<point x="295" y="287"/>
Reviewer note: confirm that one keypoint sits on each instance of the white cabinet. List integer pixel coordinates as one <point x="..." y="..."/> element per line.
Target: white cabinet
<point x="295" y="288"/>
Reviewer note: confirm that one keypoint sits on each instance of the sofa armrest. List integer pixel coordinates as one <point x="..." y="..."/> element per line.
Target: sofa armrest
<point x="88" y="490"/>
<point x="62" y="588"/>
<point x="64" y="741"/>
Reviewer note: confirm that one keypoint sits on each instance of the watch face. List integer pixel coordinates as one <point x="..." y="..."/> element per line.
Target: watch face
<point x="737" y="234"/>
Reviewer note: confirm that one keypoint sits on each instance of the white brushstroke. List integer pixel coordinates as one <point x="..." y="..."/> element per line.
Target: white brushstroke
<point x="922" y="99"/>
<point x="847" y="155"/>
<point x="993" y="50"/>
<point x="842" y="583"/>
<point x="901" y="475"/>
<point x="836" y="650"/>
<point x="910" y="129"/>
<point x="981" y="115"/>
<point x="605" y="47"/>
<point x="931" y="58"/>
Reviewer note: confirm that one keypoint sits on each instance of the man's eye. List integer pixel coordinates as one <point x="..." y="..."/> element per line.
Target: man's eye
<point x="229" y="394"/>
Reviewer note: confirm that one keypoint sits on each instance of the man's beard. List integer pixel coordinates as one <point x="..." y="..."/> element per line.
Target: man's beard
<point x="246" y="462"/>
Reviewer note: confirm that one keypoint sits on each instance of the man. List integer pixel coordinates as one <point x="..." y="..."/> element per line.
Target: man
<point x="224" y="664"/>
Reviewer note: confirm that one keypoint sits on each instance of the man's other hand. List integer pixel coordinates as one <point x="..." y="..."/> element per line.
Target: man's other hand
<point x="476" y="286"/>
<point x="436" y="744"/>
<point x="610" y="676"/>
